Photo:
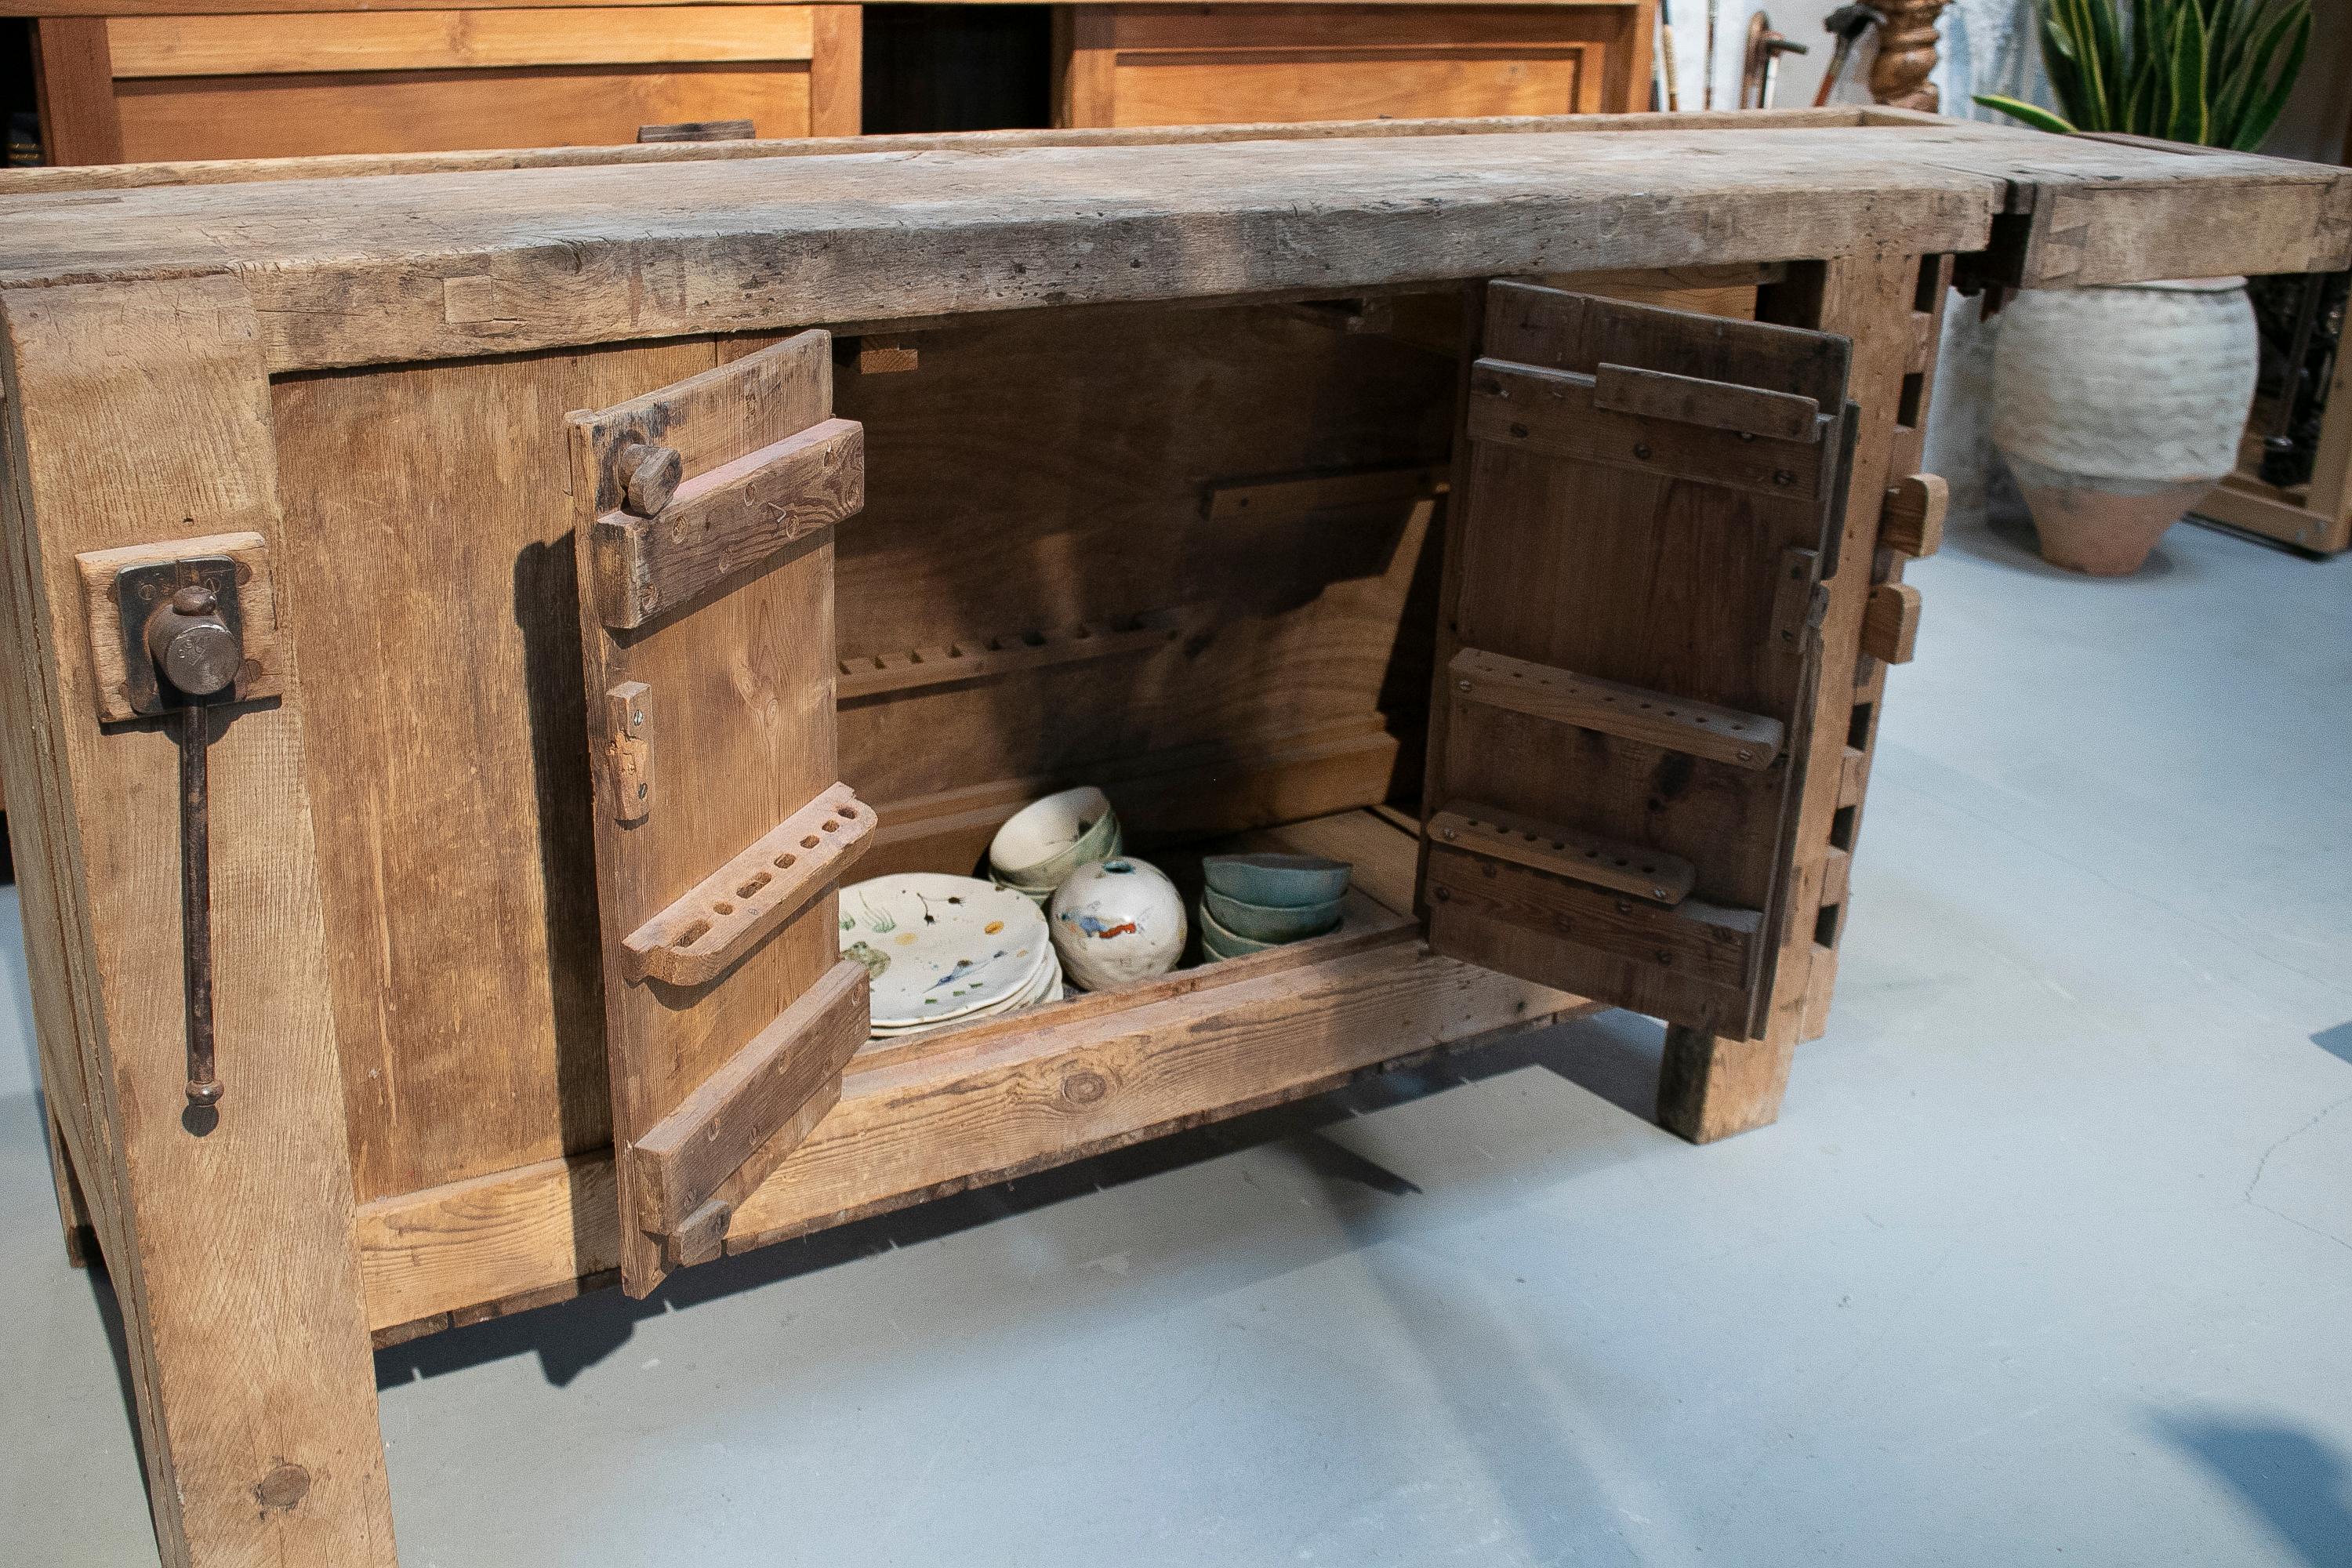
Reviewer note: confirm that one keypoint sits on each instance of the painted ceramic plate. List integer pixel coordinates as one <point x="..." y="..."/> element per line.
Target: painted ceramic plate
<point x="941" y="947"/>
<point x="1045" y="987"/>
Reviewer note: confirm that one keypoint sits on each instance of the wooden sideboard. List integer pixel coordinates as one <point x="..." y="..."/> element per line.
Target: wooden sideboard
<point x="158" y="79"/>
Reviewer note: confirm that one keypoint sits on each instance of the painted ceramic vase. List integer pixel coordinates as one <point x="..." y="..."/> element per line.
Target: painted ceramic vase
<point x="1116" y="921"/>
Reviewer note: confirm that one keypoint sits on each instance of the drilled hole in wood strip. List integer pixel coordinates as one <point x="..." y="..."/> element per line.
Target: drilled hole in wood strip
<point x="831" y="825"/>
<point x="850" y="812"/>
<point x="785" y="861"/>
<point x="723" y="908"/>
<point x="809" y="842"/>
<point x="753" y="886"/>
<point x="691" y="934"/>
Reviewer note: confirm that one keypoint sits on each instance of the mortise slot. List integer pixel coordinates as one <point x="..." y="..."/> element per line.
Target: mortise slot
<point x="1825" y="925"/>
<point x="736" y="906"/>
<point x="1841" y="827"/>
<point x="1496" y="834"/>
<point x="1700" y="729"/>
<point x="1930" y="292"/>
<point x="1914" y="392"/>
<point x="1857" y="727"/>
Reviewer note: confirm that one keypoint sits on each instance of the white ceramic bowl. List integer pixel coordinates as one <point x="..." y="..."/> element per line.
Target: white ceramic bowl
<point x="1044" y="841"/>
<point x="1115" y="921"/>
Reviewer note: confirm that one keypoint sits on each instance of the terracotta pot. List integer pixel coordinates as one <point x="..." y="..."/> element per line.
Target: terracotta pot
<point x="2118" y="407"/>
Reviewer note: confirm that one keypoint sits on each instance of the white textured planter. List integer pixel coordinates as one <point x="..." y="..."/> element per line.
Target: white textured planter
<point x="2118" y="407"/>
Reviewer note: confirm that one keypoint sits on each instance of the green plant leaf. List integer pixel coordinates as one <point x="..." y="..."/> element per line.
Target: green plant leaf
<point x="2235" y="98"/>
<point x="2263" y="112"/>
<point x="2187" y="47"/>
<point x="2032" y="114"/>
<point x="2106" y="41"/>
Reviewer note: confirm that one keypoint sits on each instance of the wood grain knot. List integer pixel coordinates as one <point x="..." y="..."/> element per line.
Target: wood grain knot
<point x="283" y="1487"/>
<point x="1084" y="1087"/>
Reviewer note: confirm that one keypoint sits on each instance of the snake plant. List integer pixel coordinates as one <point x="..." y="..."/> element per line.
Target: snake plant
<point x="2216" y="72"/>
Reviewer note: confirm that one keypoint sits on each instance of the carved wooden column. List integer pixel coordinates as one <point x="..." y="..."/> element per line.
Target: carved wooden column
<point x="1907" y="54"/>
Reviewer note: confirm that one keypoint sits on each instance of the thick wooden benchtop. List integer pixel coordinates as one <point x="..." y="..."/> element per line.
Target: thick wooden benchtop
<point x="514" y="251"/>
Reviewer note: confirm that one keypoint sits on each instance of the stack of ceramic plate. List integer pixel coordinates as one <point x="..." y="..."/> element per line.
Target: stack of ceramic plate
<point x="946" y="950"/>
<point x="1253" y="902"/>
<point x="1044" y="841"/>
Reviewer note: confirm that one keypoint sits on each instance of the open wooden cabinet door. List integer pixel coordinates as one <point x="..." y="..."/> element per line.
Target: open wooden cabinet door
<point x="1649" y="502"/>
<point x="705" y="549"/>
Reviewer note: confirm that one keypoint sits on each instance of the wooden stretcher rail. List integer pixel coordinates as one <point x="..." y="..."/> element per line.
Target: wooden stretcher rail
<point x="1631" y="713"/>
<point x="1501" y="835"/>
<point x="727" y="912"/>
<point x="876" y="674"/>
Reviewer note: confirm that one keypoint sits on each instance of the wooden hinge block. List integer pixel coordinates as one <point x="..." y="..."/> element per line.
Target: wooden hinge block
<point x="629" y="721"/>
<point x="1912" y="522"/>
<point x="729" y="912"/>
<point x="1633" y="712"/>
<point x="1801" y="600"/>
<point x="1853" y="775"/>
<point x="1836" y="866"/>
<point x="1718" y="404"/>
<point x="729" y="518"/>
<point x="726" y="1129"/>
<point x="878" y="355"/>
<point x="1890" y="622"/>
<point x="1564" y="851"/>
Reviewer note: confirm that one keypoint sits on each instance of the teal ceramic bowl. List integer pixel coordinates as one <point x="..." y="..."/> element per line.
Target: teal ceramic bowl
<point x="1269" y="923"/>
<point x="1277" y="882"/>
<point x="1219" y="943"/>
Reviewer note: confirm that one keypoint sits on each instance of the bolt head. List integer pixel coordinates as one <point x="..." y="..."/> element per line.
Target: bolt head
<point x="202" y="659"/>
<point x="195" y="599"/>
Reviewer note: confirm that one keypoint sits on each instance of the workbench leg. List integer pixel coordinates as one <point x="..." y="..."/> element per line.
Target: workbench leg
<point x="73" y="1212"/>
<point x="134" y="412"/>
<point x="1709" y="1086"/>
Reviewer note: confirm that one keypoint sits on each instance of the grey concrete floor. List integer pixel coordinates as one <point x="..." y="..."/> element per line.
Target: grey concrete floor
<point x="2049" y="1258"/>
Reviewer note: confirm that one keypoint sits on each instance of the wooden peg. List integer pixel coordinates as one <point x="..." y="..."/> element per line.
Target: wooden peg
<point x="1912" y="522"/>
<point x="1890" y="622"/>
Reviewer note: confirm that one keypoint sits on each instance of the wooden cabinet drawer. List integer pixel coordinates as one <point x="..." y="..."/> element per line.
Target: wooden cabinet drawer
<point x="1176" y="64"/>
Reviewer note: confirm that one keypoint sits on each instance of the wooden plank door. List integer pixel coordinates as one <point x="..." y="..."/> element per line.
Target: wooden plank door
<point x="1648" y="504"/>
<point x="705" y="551"/>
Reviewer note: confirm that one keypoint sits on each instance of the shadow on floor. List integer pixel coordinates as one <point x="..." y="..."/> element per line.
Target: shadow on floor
<point x="2336" y="1042"/>
<point x="1612" y="1055"/>
<point x="2295" y="1480"/>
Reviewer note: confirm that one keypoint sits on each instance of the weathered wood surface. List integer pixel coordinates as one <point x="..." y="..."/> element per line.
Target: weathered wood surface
<point x="437" y="265"/>
<point x="1020" y="1099"/>
<point x="230" y="1243"/>
<point x="743" y="679"/>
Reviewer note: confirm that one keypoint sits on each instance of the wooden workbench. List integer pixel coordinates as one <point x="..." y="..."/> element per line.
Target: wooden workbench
<point x="1211" y="466"/>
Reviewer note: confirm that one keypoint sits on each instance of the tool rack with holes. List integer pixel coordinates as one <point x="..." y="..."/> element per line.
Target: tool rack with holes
<point x="627" y="554"/>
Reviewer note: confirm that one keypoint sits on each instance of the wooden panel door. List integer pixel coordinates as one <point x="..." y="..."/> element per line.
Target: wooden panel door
<point x="1648" y="504"/>
<point x="705" y="553"/>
